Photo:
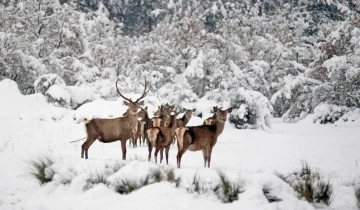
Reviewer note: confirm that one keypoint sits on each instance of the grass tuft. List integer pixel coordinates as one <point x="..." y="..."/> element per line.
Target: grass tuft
<point x="195" y="185"/>
<point x="41" y="170"/>
<point x="128" y="186"/>
<point x="310" y="185"/>
<point x="228" y="191"/>
<point x="157" y="175"/>
<point x="357" y="195"/>
<point x="170" y="174"/>
<point x="96" y="178"/>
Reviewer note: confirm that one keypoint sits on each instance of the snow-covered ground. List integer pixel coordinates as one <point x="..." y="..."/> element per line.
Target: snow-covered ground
<point x="31" y="128"/>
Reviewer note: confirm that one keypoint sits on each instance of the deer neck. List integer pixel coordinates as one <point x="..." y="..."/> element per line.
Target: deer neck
<point x="219" y="127"/>
<point x="133" y="119"/>
<point x="146" y="118"/>
<point x="173" y="125"/>
<point x="185" y="119"/>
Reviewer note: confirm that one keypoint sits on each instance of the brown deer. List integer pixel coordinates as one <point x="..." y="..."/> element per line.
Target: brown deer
<point x="143" y="115"/>
<point x="117" y="129"/>
<point x="211" y="120"/>
<point x="203" y="137"/>
<point x="184" y="120"/>
<point x="160" y="138"/>
<point x="145" y="124"/>
<point x="162" y="116"/>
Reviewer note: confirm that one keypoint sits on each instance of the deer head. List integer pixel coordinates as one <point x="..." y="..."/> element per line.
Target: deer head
<point x="166" y="114"/>
<point x="189" y="112"/>
<point x="133" y="105"/>
<point x="221" y="115"/>
<point x="143" y="113"/>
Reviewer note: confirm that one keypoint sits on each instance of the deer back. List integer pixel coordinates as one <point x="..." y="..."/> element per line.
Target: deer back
<point x="111" y="130"/>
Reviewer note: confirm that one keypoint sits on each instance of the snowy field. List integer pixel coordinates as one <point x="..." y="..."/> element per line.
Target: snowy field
<point x="30" y="128"/>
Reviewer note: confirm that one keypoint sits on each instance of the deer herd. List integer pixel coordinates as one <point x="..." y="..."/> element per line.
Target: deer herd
<point x="158" y="132"/>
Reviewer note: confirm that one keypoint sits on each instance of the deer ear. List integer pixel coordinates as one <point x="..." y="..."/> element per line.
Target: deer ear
<point x="126" y="103"/>
<point x="194" y="110"/>
<point x="140" y="103"/>
<point x="172" y="107"/>
<point x="215" y="108"/>
<point x="146" y="108"/>
<point x="184" y="110"/>
<point x="229" y="110"/>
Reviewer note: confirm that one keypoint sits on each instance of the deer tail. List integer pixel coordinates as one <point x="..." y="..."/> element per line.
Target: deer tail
<point x="180" y="136"/>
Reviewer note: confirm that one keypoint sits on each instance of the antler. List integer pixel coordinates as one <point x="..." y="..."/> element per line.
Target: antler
<point x="144" y="93"/>
<point x="129" y="100"/>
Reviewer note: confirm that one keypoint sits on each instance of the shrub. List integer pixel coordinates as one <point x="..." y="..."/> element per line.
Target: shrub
<point x="328" y="113"/>
<point x="45" y="81"/>
<point x="196" y="185"/>
<point x="310" y="185"/>
<point x="228" y="191"/>
<point x="357" y="195"/>
<point x="41" y="170"/>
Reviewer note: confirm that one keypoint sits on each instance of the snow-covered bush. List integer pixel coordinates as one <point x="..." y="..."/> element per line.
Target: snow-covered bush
<point x="351" y="116"/>
<point x="45" y="81"/>
<point x="296" y="94"/>
<point x="176" y="93"/>
<point x="59" y="96"/>
<point x="251" y="109"/>
<point x="80" y="95"/>
<point x="328" y="113"/>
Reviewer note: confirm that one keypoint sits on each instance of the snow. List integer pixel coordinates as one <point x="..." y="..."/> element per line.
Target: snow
<point x="351" y="118"/>
<point x="196" y="67"/>
<point x="58" y="92"/>
<point x="157" y="12"/>
<point x="250" y="156"/>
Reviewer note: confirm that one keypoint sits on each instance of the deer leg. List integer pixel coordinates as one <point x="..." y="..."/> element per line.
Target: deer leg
<point x="85" y="147"/>
<point x="155" y="154"/>
<point x="140" y="139"/>
<point x="180" y="154"/>
<point x="150" y="149"/>
<point x="161" y="154"/>
<point x="123" y="148"/>
<point x="209" y="150"/>
<point x="204" y="151"/>
<point x="167" y="154"/>
<point x="144" y="138"/>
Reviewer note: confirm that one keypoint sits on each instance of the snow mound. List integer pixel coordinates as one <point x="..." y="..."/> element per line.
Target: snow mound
<point x="328" y="113"/>
<point x="33" y="107"/>
<point x="59" y="95"/>
<point x="350" y="118"/>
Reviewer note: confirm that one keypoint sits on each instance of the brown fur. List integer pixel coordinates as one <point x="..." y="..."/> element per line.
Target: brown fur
<point x="184" y="120"/>
<point x="117" y="129"/>
<point x="156" y="121"/>
<point x="160" y="138"/>
<point x="203" y="137"/>
<point x="143" y="125"/>
<point x="211" y="120"/>
<point x="164" y="113"/>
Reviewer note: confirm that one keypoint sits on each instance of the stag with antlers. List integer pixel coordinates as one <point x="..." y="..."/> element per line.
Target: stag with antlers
<point x="203" y="137"/>
<point x="117" y="129"/>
